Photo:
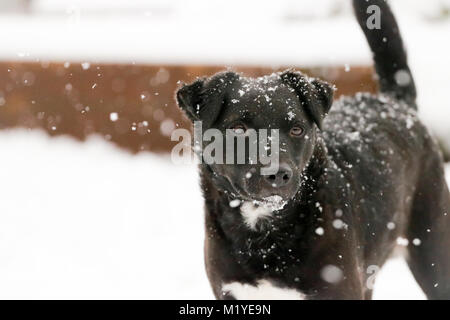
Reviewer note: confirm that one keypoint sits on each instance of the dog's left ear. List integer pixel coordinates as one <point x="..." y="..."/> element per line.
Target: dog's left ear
<point x="316" y="95"/>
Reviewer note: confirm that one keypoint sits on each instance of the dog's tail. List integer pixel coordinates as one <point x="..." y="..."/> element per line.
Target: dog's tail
<point x="382" y="33"/>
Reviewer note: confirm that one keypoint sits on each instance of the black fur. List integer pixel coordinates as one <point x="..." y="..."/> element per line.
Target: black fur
<point x="373" y="163"/>
<point x="318" y="95"/>
<point x="388" y="51"/>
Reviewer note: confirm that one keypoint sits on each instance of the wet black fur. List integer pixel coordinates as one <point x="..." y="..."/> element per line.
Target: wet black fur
<point x="373" y="160"/>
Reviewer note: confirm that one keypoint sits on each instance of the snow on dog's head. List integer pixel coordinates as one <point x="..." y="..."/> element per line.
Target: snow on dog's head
<point x="288" y="102"/>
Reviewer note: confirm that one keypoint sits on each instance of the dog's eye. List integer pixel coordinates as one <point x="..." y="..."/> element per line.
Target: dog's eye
<point x="239" y="128"/>
<point x="296" y="131"/>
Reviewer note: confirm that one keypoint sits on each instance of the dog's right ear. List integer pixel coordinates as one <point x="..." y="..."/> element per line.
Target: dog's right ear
<point x="188" y="98"/>
<point x="204" y="99"/>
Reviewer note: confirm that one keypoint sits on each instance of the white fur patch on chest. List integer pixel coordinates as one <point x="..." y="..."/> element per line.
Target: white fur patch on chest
<point x="252" y="213"/>
<point x="264" y="290"/>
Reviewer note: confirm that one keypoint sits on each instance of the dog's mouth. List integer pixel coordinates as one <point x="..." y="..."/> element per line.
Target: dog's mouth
<point x="272" y="203"/>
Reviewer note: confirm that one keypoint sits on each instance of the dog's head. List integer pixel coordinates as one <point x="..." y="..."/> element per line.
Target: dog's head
<point x="289" y="101"/>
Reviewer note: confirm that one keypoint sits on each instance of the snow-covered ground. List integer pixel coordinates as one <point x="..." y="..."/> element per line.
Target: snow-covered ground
<point x="87" y="220"/>
<point x="232" y="32"/>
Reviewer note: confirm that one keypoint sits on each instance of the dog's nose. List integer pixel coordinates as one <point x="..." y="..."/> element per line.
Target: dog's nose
<point x="281" y="178"/>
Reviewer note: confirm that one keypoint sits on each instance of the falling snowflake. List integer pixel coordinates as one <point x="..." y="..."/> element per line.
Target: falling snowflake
<point x="390" y="225"/>
<point x="113" y="116"/>
<point x="320" y="231"/>
<point x="235" y="203"/>
<point x="331" y="274"/>
<point x="85" y="65"/>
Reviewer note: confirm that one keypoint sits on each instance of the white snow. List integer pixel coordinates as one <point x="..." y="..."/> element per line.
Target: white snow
<point x="331" y="274"/>
<point x="85" y="65"/>
<point x="320" y="231"/>
<point x="113" y="116"/>
<point x="390" y="225"/>
<point x="235" y="203"/>
<point x="87" y="220"/>
<point x="395" y="281"/>
<point x="167" y="126"/>
<point x="168" y="32"/>
<point x="402" y="241"/>
<point x="264" y="290"/>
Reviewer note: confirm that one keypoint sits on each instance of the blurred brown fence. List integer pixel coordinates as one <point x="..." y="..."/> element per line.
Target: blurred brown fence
<point x="130" y="105"/>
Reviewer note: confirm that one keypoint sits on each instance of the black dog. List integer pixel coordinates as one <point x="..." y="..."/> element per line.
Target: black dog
<point x="354" y="177"/>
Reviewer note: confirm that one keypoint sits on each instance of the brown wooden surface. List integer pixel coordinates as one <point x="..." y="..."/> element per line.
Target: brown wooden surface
<point x="69" y="99"/>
